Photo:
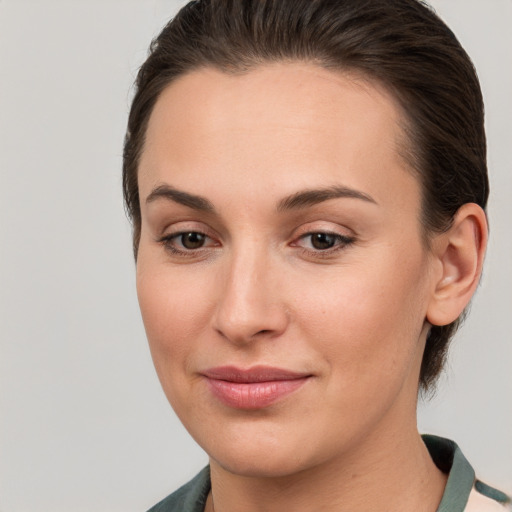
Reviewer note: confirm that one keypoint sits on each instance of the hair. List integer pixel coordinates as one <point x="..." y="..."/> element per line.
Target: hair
<point x="401" y="44"/>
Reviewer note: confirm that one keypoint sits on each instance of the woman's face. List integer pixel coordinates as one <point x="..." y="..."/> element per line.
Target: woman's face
<point x="281" y="273"/>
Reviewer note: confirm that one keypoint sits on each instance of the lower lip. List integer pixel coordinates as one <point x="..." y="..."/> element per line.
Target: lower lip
<point x="253" y="395"/>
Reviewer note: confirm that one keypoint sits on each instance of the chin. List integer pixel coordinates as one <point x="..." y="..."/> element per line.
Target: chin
<point x="260" y="463"/>
<point x="264" y="450"/>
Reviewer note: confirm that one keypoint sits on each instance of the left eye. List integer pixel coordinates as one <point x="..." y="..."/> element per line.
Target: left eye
<point x="321" y="241"/>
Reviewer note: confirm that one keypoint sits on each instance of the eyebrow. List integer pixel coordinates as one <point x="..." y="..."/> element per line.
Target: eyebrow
<point x="305" y="198"/>
<point x="296" y="201"/>
<point x="178" y="196"/>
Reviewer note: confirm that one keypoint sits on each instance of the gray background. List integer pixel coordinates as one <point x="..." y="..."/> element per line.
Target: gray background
<point x="84" y="425"/>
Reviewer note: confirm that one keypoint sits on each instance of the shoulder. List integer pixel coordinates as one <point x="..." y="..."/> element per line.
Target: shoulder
<point x="191" y="497"/>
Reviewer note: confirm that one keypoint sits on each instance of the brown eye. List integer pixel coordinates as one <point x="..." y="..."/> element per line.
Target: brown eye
<point x="323" y="241"/>
<point x="192" y="240"/>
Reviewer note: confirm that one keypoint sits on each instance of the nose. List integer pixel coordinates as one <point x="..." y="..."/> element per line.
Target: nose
<point x="250" y="305"/>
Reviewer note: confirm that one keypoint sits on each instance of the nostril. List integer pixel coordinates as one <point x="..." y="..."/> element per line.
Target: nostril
<point x="263" y="331"/>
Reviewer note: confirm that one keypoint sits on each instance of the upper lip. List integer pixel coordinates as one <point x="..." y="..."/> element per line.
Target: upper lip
<point x="253" y="374"/>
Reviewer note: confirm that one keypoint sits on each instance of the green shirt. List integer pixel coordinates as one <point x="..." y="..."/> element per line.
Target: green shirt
<point x="462" y="493"/>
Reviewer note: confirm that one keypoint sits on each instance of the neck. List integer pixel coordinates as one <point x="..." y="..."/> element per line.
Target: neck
<point x="395" y="470"/>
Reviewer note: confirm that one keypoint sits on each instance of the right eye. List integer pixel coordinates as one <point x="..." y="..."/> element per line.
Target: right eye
<point x="190" y="240"/>
<point x="186" y="243"/>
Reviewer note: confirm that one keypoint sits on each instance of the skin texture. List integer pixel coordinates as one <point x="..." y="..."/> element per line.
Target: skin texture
<point x="353" y="318"/>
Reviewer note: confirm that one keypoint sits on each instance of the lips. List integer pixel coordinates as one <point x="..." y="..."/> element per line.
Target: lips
<point x="253" y="388"/>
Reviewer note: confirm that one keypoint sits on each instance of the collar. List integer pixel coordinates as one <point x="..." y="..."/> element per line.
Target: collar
<point x="461" y="477"/>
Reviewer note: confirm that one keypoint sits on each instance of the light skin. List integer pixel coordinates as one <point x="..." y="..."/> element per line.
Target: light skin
<point x="306" y="253"/>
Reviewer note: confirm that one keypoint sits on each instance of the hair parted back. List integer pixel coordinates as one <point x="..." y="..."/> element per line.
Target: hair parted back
<point x="400" y="43"/>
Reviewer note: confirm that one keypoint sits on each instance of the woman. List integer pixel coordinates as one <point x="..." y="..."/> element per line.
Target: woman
<point x="307" y="184"/>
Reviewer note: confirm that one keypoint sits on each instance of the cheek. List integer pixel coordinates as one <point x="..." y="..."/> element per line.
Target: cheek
<point x="367" y="319"/>
<point x="175" y="309"/>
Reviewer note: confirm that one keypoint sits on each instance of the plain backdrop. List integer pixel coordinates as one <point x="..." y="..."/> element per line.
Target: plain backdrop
<point x="84" y="425"/>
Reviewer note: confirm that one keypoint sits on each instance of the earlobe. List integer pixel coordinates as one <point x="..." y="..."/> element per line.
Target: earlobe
<point x="460" y="254"/>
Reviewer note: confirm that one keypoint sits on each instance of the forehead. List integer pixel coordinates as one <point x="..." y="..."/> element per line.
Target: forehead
<point x="280" y="126"/>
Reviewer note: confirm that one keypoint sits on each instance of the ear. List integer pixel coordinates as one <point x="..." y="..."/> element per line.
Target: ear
<point x="459" y="255"/>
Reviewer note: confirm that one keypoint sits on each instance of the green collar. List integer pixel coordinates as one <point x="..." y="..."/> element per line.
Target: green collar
<point x="461" y="476"/>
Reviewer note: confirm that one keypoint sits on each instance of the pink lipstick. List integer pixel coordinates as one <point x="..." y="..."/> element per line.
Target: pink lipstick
<point x="253" y="388"/>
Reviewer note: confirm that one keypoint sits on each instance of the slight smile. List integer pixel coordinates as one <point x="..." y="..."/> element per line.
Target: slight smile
<point x="252" y="388"/>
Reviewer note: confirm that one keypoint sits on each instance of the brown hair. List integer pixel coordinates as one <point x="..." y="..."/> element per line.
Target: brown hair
<point x="400" y="43"/>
